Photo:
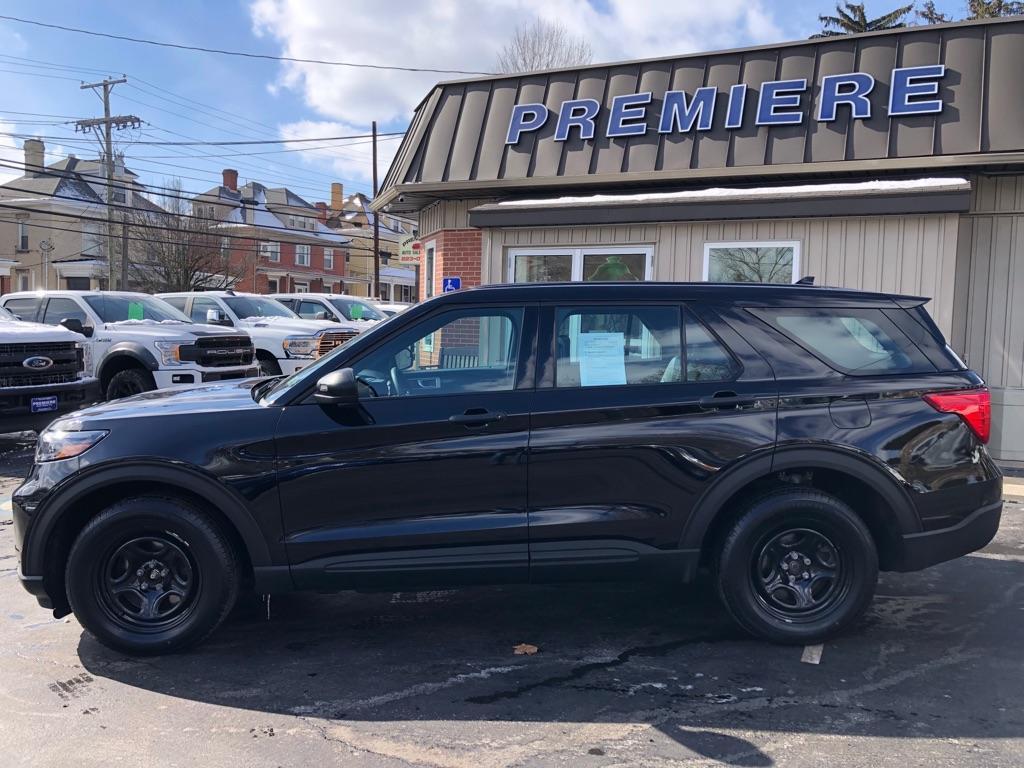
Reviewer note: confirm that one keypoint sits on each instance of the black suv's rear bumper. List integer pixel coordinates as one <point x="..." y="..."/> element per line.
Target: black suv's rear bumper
<point x="921" y="550"/>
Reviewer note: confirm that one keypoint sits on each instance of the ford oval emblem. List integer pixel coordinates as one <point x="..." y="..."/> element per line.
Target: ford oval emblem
<point x="37" y="363"/>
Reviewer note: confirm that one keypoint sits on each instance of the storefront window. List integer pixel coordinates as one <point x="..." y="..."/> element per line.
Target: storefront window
<point x="752" y="262"/>
<point x="596" y="264"/>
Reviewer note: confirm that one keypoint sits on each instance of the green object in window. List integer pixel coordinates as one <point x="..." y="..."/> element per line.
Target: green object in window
<point x="612" y="269"/>
<point x="357" y="311"/>
<point x="135" y="310"/>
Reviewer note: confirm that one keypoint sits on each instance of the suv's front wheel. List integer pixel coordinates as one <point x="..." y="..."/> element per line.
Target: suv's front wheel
<point x="151" y="575"/>
<point x="798" y="566"/>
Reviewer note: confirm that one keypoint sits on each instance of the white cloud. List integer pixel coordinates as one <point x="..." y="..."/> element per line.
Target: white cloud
<point x="466" y="35"/>
<point x="351" y="161"/>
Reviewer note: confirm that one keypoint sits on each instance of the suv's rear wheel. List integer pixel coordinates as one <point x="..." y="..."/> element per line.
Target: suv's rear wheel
<point x="132" y="381"/>
<point x="798" y="566"/>
<point x="151" y="575"/>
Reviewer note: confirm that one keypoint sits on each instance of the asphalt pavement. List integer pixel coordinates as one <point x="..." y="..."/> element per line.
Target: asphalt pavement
<point x="624" y="675"/>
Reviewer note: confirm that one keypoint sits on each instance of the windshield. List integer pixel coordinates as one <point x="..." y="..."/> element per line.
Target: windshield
<point x="308" y="374"/>
<point x="353" y="309"/>
<point x="257" y="306"/>
<point x="113" y="308"/>
<point x="5" y="315"/>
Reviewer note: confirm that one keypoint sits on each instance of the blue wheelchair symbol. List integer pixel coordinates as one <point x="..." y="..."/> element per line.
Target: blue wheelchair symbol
<point x="449" y="284"/>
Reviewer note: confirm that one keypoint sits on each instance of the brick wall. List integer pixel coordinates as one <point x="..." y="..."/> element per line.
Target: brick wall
<point x="459" y="252"/>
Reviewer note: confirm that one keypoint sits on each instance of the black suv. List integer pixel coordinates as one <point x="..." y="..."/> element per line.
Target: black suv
<point x="794" y="440"/>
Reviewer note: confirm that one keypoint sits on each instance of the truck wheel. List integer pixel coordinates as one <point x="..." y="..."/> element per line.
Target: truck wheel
<point x="132" y="381"/>
<point x="798" y="566"/>
<point x="151" y="575"/>
<point x="268" y="365"/>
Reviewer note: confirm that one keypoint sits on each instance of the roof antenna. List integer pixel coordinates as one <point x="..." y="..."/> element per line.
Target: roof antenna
<point x="806" y="280"/>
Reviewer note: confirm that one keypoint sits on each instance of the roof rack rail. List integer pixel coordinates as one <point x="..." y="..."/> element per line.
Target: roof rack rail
<point x="806" y="280"/>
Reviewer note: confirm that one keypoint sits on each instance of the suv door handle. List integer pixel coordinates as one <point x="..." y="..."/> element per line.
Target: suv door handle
<point x="476" y="417"/>
<point x="725" y="400"/>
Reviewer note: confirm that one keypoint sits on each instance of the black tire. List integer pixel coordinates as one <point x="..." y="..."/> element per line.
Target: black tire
<point x="775" y="589"/>
<point x="268" y="365"/>
<point x="132" y="381"/>
<point x="194" y="576"/>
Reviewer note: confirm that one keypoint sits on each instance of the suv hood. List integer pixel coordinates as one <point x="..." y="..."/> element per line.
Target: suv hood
<point x="287" y="326"/>
<point x="15" y="331"/>
<point x="207" y="398"/>
<point x="154" y="330"/>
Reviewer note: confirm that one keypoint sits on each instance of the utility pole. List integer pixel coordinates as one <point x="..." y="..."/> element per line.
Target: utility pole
<point x="124" y="253"/>
<point x="46" y="247"/>
<point x="376" y="222"/>
<point x="108" y="122"/>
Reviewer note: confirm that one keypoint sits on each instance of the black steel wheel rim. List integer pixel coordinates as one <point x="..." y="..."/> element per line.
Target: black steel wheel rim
<point x="148" y="582"/>
<point x="798" y="574"/>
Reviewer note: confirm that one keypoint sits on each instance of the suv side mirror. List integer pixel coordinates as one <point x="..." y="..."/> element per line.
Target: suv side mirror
<point x="216" y="317"/>
<point x="337" y="388"/>
<point x="74" y="324"/>
<point x="322" y="316"/>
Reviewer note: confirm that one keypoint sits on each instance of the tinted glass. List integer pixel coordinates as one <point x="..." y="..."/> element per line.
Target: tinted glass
<point x="310" y="309"/>
<point x="257" y="306"/>
<point x="543" y="268"/>
<point x="58" y="309"/>
<point x="25" y="307"/>
<point x="628" y="345"/>
<point x="200" y="306"/>
<point x="116" y="309"/>
<point x="706" y="358"/>
<point x="855" y="341"/>
<point x="178" y="302"/>
<point x="353" y="309"/>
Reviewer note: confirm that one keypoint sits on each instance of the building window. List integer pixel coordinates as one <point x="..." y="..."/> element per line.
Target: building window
<point x="291" y="222"/>
<point x="301" y="287"/>
<point x="543" y="265"/>
<point x="22" y="235"/>
<point x="328" y="258"/>
<point x="270" y="250"/>
<point x="24" y="282"/>
<point x="769" y="261"/>
<point x="302" y="255"/>
<point x="272" y="285"/>
<point x="429" y="267"/>
<point x="225" y="248"/>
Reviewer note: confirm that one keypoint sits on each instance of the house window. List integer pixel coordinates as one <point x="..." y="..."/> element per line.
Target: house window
<point x="328" y="258"/>
<point x="767" y="261"/>
<point x="272" y="285"/>
<point x="22" y="235"/>
<point x="302" y="255"/>
<point x="225" y="247"/>
<point x="301" y="287"/>
<point x="429" y="267"/>
<point x="291" y="222"/>
<point x="549" y="265"/>
<point x="270" y="250"/>
<point x="24" y="282"/>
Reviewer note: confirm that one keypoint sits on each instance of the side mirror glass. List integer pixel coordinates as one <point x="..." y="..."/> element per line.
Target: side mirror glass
<point x="216" y="317"/>
<point x="337" y="388"/>
<point x="321" y="316"/>
<point x="404" y="359"/>
<point x="74" y="324"/>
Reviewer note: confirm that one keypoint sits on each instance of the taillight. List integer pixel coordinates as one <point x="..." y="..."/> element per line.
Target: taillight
<point x="974" y="406"/>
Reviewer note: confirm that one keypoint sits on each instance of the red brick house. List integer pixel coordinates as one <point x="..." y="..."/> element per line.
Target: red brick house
<point x="273" y="238"/>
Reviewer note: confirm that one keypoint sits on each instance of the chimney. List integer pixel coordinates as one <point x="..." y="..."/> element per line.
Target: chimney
<point x="34" y="153"/>
<point x="321" y="212"/>
<point x="230" y="179"/>
<point x="337" y="196"/>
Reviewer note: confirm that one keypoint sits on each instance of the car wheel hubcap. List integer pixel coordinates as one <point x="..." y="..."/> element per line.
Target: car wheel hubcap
<point x="798" y="572"/>
<point x="148" y="582"/>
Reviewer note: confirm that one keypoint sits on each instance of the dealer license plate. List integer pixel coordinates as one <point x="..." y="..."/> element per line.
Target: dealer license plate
<point x="43" y="404"/>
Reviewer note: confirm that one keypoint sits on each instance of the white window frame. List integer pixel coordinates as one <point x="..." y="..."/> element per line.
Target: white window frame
<point x="305" y="251"/>
<point x="328" y="258"/>
<point x="298" y="287"/>
<point x="794" y="244"/>
<point x="23" y="241"/>
<point x="271" y="249"/>
<point x="577" y="254"/>
<point x="430" y="247"/>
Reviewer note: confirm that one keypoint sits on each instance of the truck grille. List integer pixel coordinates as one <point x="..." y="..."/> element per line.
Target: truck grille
<point x="332" y="339"/>
<point x="223" y="351"/>
<point x="65" y="358"/>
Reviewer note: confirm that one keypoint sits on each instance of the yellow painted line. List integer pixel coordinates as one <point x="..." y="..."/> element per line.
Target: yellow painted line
<point x="1013" y="487"/>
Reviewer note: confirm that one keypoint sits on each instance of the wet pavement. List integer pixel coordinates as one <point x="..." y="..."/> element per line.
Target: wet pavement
<point x="625" y="675"/>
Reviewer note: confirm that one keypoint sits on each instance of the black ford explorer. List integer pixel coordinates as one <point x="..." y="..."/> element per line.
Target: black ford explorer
<point x="794" y="440"/>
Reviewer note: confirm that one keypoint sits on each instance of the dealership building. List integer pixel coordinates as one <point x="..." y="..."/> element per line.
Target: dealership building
<point x="890" y="161"/>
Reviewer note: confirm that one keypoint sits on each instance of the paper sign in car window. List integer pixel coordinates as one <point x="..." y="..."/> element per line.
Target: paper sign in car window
<point x="357" y="311"/>
<point x="135" y="310"/>
<point x="602" y="360"/>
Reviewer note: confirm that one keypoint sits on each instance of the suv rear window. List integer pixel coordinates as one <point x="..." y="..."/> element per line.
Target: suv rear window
<point x="860" y="342"/>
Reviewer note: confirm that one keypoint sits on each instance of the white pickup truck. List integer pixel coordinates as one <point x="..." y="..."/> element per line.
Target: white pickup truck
<point x="134" y="342"/>
<point x="41" y="374"/>
<point x="285" y="343"/>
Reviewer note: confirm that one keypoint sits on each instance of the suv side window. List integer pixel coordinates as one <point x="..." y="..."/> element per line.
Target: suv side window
<point x="855" y="341"/>
<point x="199" y="307"/>
<point x="707" y="359"/>
<point x="602" y="346"/>
<point x="310" y="309"/>
<point x="466" y="350"/>
<point x="58" y="309"/>
<point x="25" y="307"/>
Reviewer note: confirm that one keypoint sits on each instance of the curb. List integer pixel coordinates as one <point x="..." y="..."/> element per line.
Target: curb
<point x="1013" y="487"/>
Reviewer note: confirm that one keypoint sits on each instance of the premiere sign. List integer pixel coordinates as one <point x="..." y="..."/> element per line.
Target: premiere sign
<point x="914" y="91"/>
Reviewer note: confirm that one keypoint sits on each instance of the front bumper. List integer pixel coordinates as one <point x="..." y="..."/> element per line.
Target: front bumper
<point x="921" y="550"/>
<point x="16" y="403"/>
<point x="172" y="378"/>
<point x="290" y="365"/>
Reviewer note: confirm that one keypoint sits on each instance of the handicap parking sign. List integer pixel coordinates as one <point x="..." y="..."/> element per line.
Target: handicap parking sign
<point x="449" y="284"/>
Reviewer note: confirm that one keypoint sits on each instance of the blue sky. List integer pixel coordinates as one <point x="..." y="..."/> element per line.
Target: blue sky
<point x="182" y="94"/>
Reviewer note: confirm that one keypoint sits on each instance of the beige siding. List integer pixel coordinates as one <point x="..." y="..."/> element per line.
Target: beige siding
<point x="905" y="254"/>
<point x="447" y="214"/>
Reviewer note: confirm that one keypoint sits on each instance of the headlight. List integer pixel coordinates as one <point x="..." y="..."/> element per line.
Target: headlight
<point x="57" y="444"/>
<point x="170" y="351"/>
<point x="300" y="346"/>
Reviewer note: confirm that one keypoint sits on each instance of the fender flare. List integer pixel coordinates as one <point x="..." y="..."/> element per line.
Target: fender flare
<point x="48" y="517"/>
<point x="867" y="469"/>
<point x="130" y="349"/>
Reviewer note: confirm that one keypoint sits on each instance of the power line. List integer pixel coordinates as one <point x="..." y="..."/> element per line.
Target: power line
<point x="206" y="143"/>
<point x="244" y="54"/>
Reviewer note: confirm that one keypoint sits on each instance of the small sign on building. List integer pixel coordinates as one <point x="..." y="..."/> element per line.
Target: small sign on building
<point x="449" y="284"/>
<point x="409" y="250"/>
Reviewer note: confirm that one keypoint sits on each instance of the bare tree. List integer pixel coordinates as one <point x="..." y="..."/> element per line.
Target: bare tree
<point x="173" y="248"/>
<point x="543" y="45"/>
